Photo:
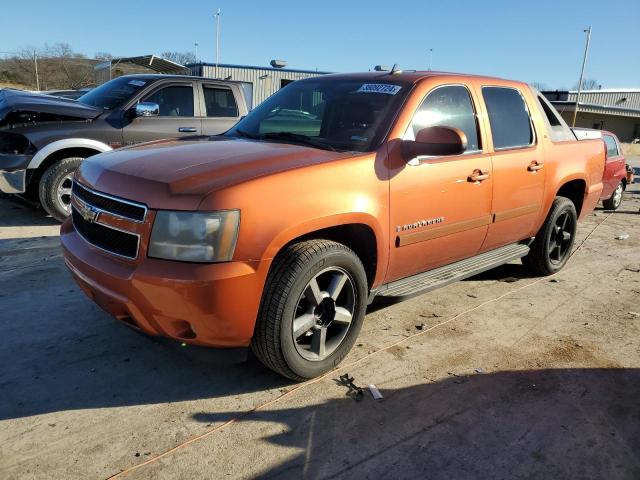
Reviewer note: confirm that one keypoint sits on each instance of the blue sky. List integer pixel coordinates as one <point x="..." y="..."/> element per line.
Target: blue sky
<point x="541" y="41"/>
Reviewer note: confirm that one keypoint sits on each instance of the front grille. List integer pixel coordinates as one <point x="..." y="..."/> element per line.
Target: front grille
<point x="114" y="241"/>
<point x="120" y="207"/>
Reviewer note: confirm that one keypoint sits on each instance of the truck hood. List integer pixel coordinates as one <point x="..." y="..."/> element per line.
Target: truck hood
<point x="178" y="174"/>
<point x="17" y="101"/>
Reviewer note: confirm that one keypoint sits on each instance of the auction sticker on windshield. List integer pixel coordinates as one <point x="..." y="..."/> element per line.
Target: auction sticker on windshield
<point x="379" y="88"/>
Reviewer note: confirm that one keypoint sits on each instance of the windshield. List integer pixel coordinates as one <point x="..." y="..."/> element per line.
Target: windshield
<point x="328" y="113"/>
<point x="114" y="93"/>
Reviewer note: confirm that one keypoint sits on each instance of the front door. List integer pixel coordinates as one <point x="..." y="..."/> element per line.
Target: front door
<point x="518" y="167"/>
<point x="177" y="118"/>
<point x="440" y="207"/>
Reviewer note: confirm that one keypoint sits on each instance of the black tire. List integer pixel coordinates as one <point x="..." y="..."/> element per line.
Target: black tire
<point x="544" y="258"/>
<point x="55" y="179"/>
<point x="616" y="198"/>
<point x="287" y="288"/>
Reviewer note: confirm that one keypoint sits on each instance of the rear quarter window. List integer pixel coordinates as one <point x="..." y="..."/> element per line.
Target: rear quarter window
<point x="612" y="146"/>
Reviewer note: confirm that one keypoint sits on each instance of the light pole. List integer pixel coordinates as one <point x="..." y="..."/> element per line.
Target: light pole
<point x="430" y="57"/>
<point x="196" y="54"/>
<point x="217" y="15"/>
<point x="584" y="63"/>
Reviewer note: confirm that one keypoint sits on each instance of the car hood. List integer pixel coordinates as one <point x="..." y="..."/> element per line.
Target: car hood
<point x="17" y="101"/>
<point x="178" y="174"/>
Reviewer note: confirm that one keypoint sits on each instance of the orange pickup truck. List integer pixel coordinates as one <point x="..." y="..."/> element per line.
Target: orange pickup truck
<point x="336" y="190"/>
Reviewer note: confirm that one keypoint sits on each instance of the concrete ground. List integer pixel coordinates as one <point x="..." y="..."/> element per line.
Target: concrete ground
<point x="501" y="376"/>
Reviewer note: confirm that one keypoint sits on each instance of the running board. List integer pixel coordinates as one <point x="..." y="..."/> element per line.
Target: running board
<point x="439" y="277"/>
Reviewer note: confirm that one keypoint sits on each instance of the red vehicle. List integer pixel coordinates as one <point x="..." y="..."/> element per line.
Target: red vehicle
<point x="614" y="180"/>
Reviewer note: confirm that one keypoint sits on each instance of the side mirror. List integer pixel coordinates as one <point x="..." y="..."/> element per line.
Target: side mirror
<point x="147" y="109"/>
<point x="435" y="142"/>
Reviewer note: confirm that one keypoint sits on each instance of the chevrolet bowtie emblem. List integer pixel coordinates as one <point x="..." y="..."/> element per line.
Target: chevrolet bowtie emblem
<point x="89" y="213"/>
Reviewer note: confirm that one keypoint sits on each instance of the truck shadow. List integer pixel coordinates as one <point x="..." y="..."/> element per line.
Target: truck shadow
<point x="15" y="212"/>
<point x="565" y="423"/>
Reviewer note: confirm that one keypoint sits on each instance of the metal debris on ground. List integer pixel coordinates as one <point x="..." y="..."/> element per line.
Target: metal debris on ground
<point x="375" y="393"/>
<point x="622" y="236"/>
<point x="353" y="391"/>
<point x="480" y="370"/>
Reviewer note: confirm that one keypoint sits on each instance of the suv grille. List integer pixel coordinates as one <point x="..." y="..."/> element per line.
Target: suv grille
<point x="122" y="208"/>
<point x="114" y="241"/>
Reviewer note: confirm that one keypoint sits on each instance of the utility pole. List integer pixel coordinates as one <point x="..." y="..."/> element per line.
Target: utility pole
<point x="35" y="62"/>
<point x="430" y="57"/>
<point x="196" y="45"/>
<point x="584" y="63"/>
<point x="217" y="15"/>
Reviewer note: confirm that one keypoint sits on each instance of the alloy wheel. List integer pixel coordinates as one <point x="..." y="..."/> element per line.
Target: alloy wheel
<point x="324" y="313"/>
<point x="560" y="238"/>
<point x="63" y="192"/>
<point x="617" y="196"/>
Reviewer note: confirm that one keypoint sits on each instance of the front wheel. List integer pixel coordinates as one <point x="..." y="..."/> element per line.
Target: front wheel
<point x="312" y="309"/>
<point x="552" y="246"/>
<point x="55" y="187"/>
<point x="616" y="198"/>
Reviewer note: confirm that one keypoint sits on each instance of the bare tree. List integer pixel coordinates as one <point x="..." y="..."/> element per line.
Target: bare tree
<point x="588" y="84"/>
<point x="540" y="86"/>
<point x="183" y="58"/>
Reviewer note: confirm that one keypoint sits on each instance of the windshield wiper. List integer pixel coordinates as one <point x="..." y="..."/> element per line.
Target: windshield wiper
<point x="299" y="138"/>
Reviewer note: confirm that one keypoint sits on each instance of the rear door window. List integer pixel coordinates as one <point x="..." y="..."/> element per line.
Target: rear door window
<point x="448" y="106"/>
<point x="220" y="102"/>
<point x="174" y="100"/>
<point x="509" y="118"/>
<point x="612" y="146"/>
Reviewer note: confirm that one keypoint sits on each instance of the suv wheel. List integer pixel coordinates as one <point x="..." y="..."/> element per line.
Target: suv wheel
<point x="55" y="187"/>
<point x="552" y="246"/>
<point x="616" y="198"/>
<point x="312" y="309"/>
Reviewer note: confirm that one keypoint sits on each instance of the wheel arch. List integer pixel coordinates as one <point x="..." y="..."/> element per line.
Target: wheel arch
<point x="68" y="147"/>
<point x="573" y="188"/>
<point x="361" y="233"/>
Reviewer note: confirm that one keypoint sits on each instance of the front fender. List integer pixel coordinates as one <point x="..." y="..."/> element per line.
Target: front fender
<point x="331" y="221"/>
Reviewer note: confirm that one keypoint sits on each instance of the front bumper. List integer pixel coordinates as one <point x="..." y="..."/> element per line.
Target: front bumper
<point x="212" y="305"/>
<point x="13" y="172"/>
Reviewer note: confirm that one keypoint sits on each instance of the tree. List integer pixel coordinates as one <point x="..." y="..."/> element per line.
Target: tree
<point x="540" y="86"/>
<point x="183" y="58"/>
<point x="588" y="84"/>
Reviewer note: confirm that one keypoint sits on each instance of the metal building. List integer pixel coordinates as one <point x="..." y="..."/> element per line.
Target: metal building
<point x="262" y="82"/>
<point x="616" y="110"/>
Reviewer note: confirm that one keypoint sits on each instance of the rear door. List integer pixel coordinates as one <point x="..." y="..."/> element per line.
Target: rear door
<point x="179" y="114"/>
<point x="518" y="166"/>
<point x="219" y="106"/>
<point x="614" y="169"/>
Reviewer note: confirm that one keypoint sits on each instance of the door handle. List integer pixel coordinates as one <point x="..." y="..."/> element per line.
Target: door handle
<point x="187" y="130"/>
<point x="534" y="166"/>
<point x="477" y="176"/>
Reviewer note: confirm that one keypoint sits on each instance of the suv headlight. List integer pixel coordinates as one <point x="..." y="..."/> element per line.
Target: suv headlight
<point x="205" y="237"/>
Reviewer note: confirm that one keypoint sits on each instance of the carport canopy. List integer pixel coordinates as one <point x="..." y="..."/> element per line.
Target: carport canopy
<point x="152" y="62"/>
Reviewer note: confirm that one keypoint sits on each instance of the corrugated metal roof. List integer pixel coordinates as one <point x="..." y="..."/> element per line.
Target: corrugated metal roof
<point x="624" y="102"/>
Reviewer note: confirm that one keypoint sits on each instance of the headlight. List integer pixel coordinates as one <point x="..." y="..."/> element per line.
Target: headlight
<point x="195" y="236"/>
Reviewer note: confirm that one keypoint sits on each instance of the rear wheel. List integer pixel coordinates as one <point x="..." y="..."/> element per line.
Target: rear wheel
<point x="55" y="187"/>
<point x="616" y="198"/>
<point x="312" y="310"/>
<point x="552" y="246"/>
